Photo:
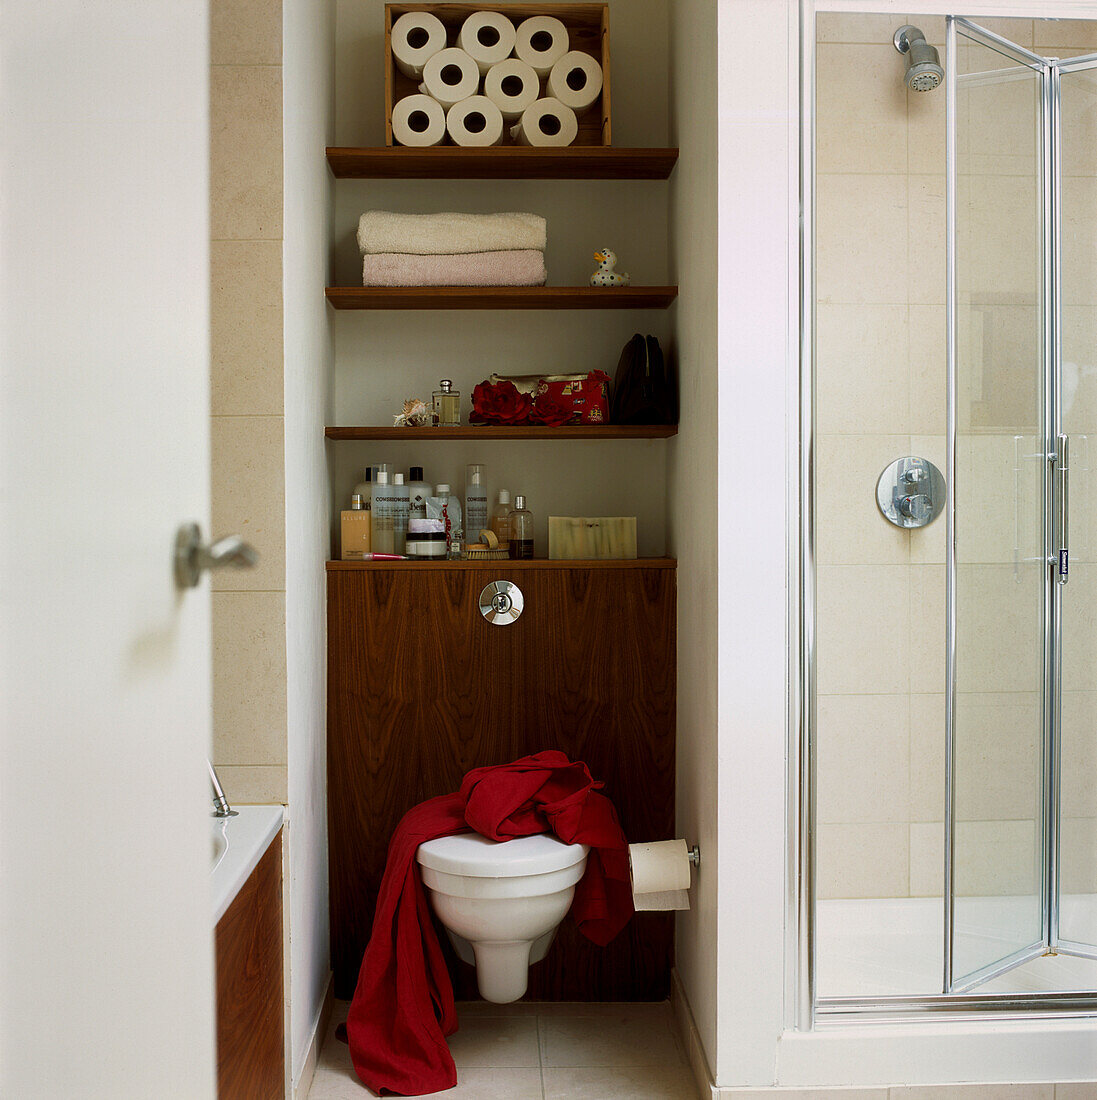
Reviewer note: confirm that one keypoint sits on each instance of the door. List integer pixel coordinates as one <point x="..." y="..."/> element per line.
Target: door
<point x="1074" y="912"/>
<point x="1000" y="613"/>
<point x="105" y="933"/>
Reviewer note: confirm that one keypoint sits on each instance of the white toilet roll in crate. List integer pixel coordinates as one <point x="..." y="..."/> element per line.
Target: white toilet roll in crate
<point x="587" y="27"/>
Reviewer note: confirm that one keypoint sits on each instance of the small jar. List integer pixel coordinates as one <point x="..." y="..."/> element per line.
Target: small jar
<point x="446" y="411"/>
<point x="426" y="539"/>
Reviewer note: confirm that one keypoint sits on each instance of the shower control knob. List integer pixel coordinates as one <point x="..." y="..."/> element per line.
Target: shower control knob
<point x="911" y="492"/>
<point x="501" y="602"/>
<point x="915" y="507"/>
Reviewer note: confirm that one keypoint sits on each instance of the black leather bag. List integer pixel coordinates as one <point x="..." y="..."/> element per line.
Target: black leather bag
<point x="645" y="389"/>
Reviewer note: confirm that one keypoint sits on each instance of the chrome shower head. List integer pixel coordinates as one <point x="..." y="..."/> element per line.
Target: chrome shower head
<point x="924" y="72"/>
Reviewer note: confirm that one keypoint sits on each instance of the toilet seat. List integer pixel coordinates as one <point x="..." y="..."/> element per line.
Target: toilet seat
<point x="476" y="856"/>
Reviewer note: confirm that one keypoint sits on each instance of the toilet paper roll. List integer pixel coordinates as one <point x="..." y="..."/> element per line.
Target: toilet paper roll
<point x="660" y="875"/>
<point x="416" y="37"/>
<point x="575" y="80"/>
<point x="512" y="86"/>
<point x="475" y="121"/>
<point x="450" y="76"/>
<point x="542" y="40"/>
<point x="418" y="120"/>
<point x="546" y="123"/>
<point x="488" y="38"/>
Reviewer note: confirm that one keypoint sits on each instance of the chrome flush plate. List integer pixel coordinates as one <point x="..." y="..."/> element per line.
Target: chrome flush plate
<point x="501" y="602"/>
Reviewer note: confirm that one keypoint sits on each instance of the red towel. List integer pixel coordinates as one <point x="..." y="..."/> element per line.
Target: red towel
<point x="403" y="1004"/>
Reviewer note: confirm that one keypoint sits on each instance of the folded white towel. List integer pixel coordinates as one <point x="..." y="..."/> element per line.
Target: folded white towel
<point x="524" y="268"/>
<point x="449" y="234"/>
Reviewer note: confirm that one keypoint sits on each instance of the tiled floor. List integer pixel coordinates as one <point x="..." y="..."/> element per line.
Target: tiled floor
<point x="542" y="1052"/>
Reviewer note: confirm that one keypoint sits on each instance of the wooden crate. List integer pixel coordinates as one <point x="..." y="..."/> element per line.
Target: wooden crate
<point x="588" y="28"/>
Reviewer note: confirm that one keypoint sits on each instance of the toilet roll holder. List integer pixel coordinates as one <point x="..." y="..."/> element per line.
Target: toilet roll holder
<point x="694" y="855"/>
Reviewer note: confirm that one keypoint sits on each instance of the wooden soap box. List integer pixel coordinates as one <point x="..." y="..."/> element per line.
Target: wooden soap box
<point x="592" y="538"/>
<point x="588" y="29"/>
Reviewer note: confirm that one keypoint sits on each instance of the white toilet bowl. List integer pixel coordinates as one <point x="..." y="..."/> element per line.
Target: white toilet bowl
<point x="501" y="902"/>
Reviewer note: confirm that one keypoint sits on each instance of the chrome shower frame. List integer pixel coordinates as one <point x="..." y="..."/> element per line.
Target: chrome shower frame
<point x="805" y="1009"/>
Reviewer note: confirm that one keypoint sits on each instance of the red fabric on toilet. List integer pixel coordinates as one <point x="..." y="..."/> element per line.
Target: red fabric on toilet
<point x="403" y="1003"/>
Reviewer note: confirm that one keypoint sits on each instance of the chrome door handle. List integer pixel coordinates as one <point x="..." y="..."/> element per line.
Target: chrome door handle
<point x="1062" y="529"/>
<point x="192" y="556"/>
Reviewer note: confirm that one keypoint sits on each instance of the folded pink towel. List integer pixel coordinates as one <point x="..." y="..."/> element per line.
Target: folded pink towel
<point x="523" y="267"/>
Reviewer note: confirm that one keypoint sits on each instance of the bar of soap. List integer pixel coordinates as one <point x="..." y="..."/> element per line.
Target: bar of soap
<point x="490" y="538"/>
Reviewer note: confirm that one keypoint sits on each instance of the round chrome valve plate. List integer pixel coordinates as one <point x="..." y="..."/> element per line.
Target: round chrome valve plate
<point x="501" y="602"/>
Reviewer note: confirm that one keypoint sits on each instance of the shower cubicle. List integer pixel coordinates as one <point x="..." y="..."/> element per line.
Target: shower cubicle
<point x="949" y="558"/>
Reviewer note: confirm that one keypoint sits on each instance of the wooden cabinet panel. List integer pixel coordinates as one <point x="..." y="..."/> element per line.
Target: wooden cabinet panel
<point x="421" y="689"/>
<point x="248" y="945"/>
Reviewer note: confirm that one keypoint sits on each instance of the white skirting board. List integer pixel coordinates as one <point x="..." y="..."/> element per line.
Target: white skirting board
<point x="691" y="1040"/>
<point x="312" y="1058"/>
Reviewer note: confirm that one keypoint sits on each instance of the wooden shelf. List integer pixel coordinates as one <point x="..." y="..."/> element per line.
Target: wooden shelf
<point x="588" y="162"/>
<point x="507" y="565"/>
<point x="501" y="297"/>
<point x="497" y="431"/>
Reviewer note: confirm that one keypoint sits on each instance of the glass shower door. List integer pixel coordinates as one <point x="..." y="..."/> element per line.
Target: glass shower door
<point x="1075" y="857"/>
<point x="994" y="834"/>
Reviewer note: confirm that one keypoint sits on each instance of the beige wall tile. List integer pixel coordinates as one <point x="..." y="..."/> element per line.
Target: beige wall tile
<point x="928" y="370"/>
<point x="927" y="757"/>
<point x="245" y="152"/>
<point x="253" y="786"/>
<point x="1080" y="387"/>
<point x="245" y="32"/>
<point x="861" y="109"/>
<point x="832" y="26"/>
<point x="926" y="128"/>
<point x="997" y="751"/>
<point x="248" y="497"/>
<point x="995" y="858"/>
<point x="1079" y="242"/>
<point x="998" y="495"/>
<point x="1078" y="34"/>
<point x="1000" y="219"/>
<point x="863" y="758"/>
<point x="973" y="1092"/>
<point x="849" y="529"/>
<point x="862" y="861"/>
<point x="246" y="328"/>
<point x="927" y="859"/>
<point x="861" y="246"/>
<point x="998" y="623"/>
<point x="1078" y="847"/>
<point x="1079" y="628"/>
<point x="1079" y="752"/>
<point x="926" y="249"/>
<point x="1079" y="123"/>
<point x="863" y="629"/>
<point x="249" y="678"/>
<point x="861" y="373"/>
<point x="927" y="629"/>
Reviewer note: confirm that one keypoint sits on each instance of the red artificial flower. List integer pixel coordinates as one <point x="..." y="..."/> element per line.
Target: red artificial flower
<point x="552" y="408"/>
<point x="501" y="403"/>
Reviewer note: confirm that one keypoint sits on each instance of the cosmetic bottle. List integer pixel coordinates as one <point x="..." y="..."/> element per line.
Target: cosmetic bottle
<point x="399" y="513"/>
<point x="500" y="520"/>
<point x="446" y="411"/>
<point x="521" y="530"/>
<point x="426" y="539"/>
<point x="476" y="501"/>
<point x="364" y="489"/>
<point x="384" y="509"/>
<point x="354" y="535"/>
<point x="418" y="491"/>
<point x="445" y="506"/>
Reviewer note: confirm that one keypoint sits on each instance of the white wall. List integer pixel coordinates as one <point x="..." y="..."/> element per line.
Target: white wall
<point x="691" y="478"/>
<point x="106" y="945"/>
<point x="308" y="112"/>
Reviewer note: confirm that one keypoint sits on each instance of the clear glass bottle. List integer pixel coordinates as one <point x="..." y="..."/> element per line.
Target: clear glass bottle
<point x="446" y="412"/>
<point x="500" y="520"/>
<point x="354" y="541"/>
<point x="521" y="530"/>
<point x="384" y="508"/>
<point x="451" y="515"/>
<point x="476" y="502"/>
<point x="399" y="514"/>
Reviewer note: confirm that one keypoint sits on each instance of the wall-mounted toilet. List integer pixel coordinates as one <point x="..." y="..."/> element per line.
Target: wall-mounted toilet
<point x="501" y="902"/>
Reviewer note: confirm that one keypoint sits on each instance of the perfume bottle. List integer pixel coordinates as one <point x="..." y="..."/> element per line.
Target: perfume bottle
<point x="447" y="406"/>
<point x="521" y="530"/>
<point x="500" y="520"/>
<point x="355" y="531"/>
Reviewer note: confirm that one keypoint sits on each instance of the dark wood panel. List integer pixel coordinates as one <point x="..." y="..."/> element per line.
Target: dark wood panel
<point x="496" y="431"/>
<point x="503" y="162"/>
<point x="421" y="689"/>
<point x="501" y="297"/>
<point x="248" y="945"/>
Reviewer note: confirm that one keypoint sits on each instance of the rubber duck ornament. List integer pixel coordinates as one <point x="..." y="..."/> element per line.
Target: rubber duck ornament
<point x="605" y="275"/>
